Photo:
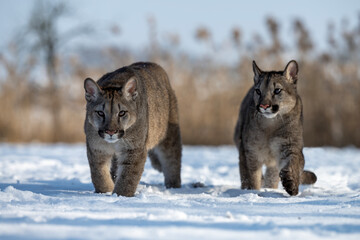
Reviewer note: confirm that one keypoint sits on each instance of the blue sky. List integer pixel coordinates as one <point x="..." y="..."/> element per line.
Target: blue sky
<point x="184" y="17"/>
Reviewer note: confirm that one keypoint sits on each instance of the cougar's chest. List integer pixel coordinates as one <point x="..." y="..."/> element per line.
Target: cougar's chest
<point x="263" y="144"/>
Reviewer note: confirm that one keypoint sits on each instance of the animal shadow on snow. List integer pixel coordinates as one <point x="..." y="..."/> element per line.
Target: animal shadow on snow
<point x="52" y="188"/>
<point x="264" y="192"/>
<point x="75" y="187"/>
<point x="221" y="191"/>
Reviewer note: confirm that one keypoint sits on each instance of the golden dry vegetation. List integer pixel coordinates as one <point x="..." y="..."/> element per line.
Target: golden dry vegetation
<point x="50" y="107"/>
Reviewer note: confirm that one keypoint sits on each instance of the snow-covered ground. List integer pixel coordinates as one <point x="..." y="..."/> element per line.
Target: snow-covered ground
<point x="46" y="193"/>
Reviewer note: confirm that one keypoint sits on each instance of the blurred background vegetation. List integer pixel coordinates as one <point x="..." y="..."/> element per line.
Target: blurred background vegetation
<point x="209" y="91"/>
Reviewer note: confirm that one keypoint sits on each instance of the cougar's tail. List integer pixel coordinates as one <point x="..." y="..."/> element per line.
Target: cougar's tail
<point x="308" y="177"/>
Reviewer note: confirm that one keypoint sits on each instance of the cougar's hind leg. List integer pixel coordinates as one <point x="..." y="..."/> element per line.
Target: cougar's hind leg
<point x="155" y="162"/>
<point x="168" y="153"/>
<point x="272" y="177"/>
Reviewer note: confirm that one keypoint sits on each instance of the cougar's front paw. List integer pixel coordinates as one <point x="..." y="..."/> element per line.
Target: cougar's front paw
<point x="104" y="189"/>
<point x="245" y="184"/>
<point x="290" y="181"/>
<point x="172" y="183"/>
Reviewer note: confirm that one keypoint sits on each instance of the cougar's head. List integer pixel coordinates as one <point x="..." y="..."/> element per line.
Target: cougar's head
<point x="111" y="111"/>
<point x="275" y="92"/>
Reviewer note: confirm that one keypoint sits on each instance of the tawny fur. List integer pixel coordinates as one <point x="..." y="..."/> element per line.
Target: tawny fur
<point x="269" y="132"/>
<point x="130" y="112"/>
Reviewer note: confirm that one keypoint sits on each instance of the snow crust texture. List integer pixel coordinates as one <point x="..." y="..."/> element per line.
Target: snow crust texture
<point x="46" y="193"/>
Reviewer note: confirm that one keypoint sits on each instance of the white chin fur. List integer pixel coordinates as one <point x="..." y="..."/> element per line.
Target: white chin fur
<point x="269" y="115"/>
<point x="109" y="139"/>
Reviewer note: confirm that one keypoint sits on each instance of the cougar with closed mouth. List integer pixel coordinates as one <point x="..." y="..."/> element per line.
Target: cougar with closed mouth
<point x="130" y="113"/>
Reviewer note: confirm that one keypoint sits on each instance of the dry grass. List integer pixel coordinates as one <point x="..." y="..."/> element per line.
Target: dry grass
<point x="208" y="104"/>
<point x="209" y="95"/>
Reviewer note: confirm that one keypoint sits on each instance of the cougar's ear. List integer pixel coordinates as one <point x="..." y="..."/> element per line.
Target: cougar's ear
<point x="257" y="72"/>
<point x="130" y="89"/>
<point x="291" y="71"/>
<point x="92" y="90"/>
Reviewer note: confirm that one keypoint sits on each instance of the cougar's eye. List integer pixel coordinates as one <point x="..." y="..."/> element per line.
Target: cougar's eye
<point x="100" y="113"/>
<point x="258" y="91"/>
<point x="277" y="91"/>
<point x="122" y="113"/>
